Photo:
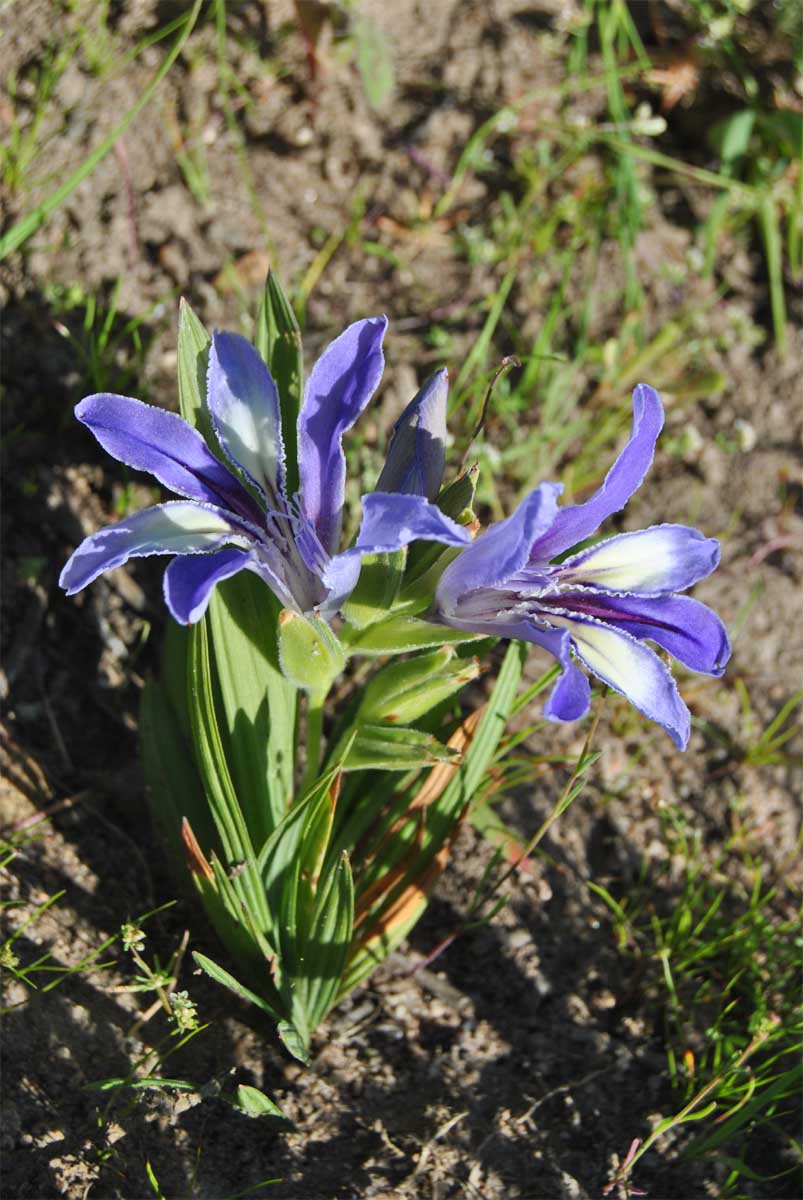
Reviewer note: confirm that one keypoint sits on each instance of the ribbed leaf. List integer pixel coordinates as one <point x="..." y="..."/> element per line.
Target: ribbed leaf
<point x="258" y="705"/>
<point x="377" y="588"/>
<point x="174" y="787"/>
<point x="328" y="943"/>
<point x="404" y="692"/>
<point x="288" y="864"/>
<point x="415" y="844"/>
<point x="213" y="768"/>
<point x="394" y="748"/>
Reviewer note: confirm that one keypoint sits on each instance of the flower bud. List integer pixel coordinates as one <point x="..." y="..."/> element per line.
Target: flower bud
<point x="403" y="691"/>
<point x="310" y="655"/>
<point x="416" y="455"/>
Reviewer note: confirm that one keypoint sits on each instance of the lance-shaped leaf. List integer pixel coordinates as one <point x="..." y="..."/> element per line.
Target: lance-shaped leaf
<point x="401" y="634"/>
<point x="193" y="360"/>
<point x="254" y="1103"/>
<point x="391" y="843"/>
<point x="221" y="976"/>
<point x="288" y="865"/>
<point x="404" y="691"/>
<point x="456" y="501"/>
<point x="387" y="914"/>
<point x="174" y="787"/>
<point x="376" y="589"/>
<point x="327" y="944"/>
<point x="393" y="748"/>
<point x="232" y="922"/>
<point x="214" y="771"/>
<point x="258" y="705"/>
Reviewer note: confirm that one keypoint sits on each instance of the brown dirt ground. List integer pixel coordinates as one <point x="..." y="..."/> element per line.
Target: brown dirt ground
<point x="525" y="1059"/>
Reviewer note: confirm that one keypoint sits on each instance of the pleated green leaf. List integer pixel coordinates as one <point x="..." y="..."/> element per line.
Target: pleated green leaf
<point x="377" y="588"/>
<point x="407" y="850"/>
<point x="174" y="786"/>
<point x="258" y="705"/>
<point x="394" y="748"/>
<point x="403" y="692"/>
<point x="327" y="945"/>
<point x="237" y="848"/>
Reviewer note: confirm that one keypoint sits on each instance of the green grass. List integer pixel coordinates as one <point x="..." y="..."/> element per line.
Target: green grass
<point x="715" y="953"/>
<point x="110" y="350"/>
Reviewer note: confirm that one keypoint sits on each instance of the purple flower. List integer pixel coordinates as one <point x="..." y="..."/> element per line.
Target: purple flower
<point x="239" y="516"/>
<point x="600" y="605"/>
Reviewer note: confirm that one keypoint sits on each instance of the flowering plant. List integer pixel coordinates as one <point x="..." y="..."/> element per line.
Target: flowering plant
<point x="314" y="857"/>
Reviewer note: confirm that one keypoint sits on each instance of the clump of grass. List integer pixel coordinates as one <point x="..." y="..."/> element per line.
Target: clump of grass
<point x="110" y="350"/>
<point x="718" y="954"/>
<point x="23" y="229"/>
<point x="41" y="972"/>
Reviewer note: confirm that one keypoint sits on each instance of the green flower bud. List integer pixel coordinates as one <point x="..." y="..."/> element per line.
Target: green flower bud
<point x="310" y="655"/>
<point x="403" y="691"/>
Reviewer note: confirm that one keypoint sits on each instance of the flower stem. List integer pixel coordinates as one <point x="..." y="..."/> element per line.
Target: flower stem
<point x="315" y="703"/>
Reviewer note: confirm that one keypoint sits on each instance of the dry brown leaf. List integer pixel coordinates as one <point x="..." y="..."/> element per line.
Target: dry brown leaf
<point x="678" y="80"/>
<point x="196" y="859"/>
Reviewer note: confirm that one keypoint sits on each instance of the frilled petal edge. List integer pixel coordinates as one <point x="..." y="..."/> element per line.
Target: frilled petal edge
<point x="654" y="561"/>
<point x="390" y="521"/>
<point x="579" y="521"/>
<point x="177" y="527"/>
<point x="631" y="668"/>
<point x="689" y="630"/>
<point x="162" y="443"/>
<point x="340" y="385"/>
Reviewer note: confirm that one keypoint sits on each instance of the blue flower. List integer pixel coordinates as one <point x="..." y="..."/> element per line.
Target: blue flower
<point x="239" y="516"/>
<point x="601" y="605"/>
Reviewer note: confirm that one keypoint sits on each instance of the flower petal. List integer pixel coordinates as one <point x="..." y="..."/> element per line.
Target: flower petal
<point x="578" y="521"/>
<point x="190" y="579"/>
<point x="389" y="521"/>
<point x="178" y="527"/>
<point x="501" y="551"/>
<point x="571" y="694"/>
<point x="690" y="631"/>
<point x="244" y="406"/>
<point x="663" y="558"/>
<point x="417" y="451"/>
<point x="150" y="439"/>
<point x="631" y="668"/>
<point x="341" y="383"/>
